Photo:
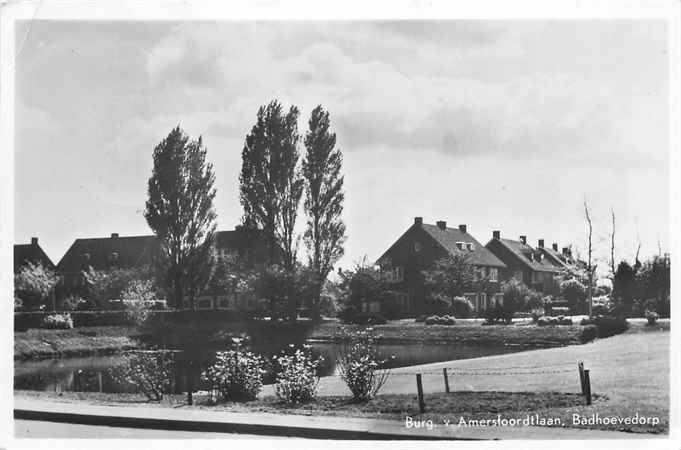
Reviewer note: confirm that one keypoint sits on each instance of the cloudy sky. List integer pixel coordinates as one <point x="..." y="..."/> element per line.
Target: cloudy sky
<point x="503" y="125"/>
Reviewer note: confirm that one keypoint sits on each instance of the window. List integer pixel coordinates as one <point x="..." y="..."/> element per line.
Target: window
<point x="459" y="245"/>
<point x="470" y="246"/>
<point x="417" y="247"/>
<point x="394" y="274"/>
<point x="493" y="274"/>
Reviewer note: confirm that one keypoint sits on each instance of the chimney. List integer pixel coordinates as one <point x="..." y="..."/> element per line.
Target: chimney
<point x="566" y="251"/>
<point x="541" y="243"/>
<point x="496" y="234"/>
<point x="418" y="221"/>
<point x="462" y="228"/>
<point x="523" y="239"/>
<point x="34" y="241"/>
<point x="114" y="235"/>
<point x="441" y="224"/>
<point x="555" y="247"/>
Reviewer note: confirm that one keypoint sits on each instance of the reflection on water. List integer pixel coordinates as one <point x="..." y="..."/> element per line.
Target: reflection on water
<point x="92" y="374"/>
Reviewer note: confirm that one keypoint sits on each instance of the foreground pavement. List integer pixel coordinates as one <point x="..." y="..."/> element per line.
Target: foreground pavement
<point x="35" y="429"/>
<point x="209" y="422"/>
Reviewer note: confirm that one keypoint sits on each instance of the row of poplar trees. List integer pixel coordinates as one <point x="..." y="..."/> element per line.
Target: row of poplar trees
<point x="273" y="181"/>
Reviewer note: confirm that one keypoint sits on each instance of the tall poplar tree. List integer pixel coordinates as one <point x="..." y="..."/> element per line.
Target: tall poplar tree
<point x="180" y="211"/>
<point x="324" y="196"/>
<point x="270" y="181"/>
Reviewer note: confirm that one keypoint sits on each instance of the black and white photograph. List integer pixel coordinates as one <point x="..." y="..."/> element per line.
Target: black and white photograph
<point x="413" y="226"/>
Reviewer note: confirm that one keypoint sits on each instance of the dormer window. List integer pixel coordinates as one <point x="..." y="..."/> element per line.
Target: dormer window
<point x="460" y="245"/>
<point x="470" y="246"/>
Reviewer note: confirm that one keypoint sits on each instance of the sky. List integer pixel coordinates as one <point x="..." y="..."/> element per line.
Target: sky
<point x="500" y="125"/>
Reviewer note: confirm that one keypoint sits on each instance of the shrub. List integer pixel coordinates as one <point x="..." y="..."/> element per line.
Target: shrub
<point x="440" y="320"/>
<point x="560" y="310"/>
<point x="600" y="310"/>
<point x="462" y="308"/>
<point x="439" y="305"/>
<point x="589" y="333"/>
<point x="651" y="317"/>
<point x="607" y="325"/>
<point x="534" y="300"/>
<point x="537" y="313"/>
<point x="137" y="297"/>
<point x="359" y="367"/>
<point x="543" y="321"/>
<point x="150" y="371"/>
<point x="499" y="314"/>
<point x="421" y="318"/>
<point x="235" y="375"/>
<point x="58" y="322"/>
<point x="369" y="319"/>
<point x="297" y="378"/>
<point x="347" y="314"/>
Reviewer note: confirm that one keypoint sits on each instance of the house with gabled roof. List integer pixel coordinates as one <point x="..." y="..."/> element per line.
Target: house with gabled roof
<point x="419" y="247"/>
<point x="526" y="264"/>
<point x="31" y="253"/>
<point x="115" y="251"/>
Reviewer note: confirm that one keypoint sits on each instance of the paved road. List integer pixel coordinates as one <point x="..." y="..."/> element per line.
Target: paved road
<point x="56" y="430"/>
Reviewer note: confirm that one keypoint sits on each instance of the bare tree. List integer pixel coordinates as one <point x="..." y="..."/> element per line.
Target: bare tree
<point x="612" y="243"/>
<point x="589" y="252"/>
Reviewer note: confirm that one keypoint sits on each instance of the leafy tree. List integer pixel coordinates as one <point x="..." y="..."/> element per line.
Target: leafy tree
<point x="516" y="294"/>
<point x="362" y="285"/>
<point x="33" y="285"/>
<point x="105" y="285"/>
<point x="324" y="196"/>
<point x="270" y="182"/>
<point x="286" y="290"/>
<point x="624" y="287"/>
<point x="575" y="293"/>
<point x="449" y="278"/>
<point x="180" y="211"/>
<point x="653" y="280"/>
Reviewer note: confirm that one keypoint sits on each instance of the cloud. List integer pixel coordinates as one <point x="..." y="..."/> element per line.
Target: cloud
<point x="379" y="101"/>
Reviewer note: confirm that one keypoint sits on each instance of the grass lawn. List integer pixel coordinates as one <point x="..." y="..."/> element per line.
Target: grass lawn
<point x="463" y="332"/>
<point x="43" y="343"/>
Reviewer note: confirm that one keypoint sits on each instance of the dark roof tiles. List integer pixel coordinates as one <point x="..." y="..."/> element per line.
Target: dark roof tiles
<point x="450" y="237"/>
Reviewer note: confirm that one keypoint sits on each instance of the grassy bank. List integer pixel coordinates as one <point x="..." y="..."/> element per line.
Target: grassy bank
<point x="85" y="341"/>
<point x="464" y="332"/>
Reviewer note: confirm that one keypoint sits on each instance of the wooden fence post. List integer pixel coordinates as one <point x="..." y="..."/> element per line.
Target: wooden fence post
<point x="419" y="388"/>
<point x="587" y="385"/>
<point x="580" y="366"/>
<point x="444" y="373"/>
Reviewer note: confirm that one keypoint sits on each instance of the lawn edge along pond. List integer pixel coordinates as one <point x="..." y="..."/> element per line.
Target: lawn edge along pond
<point x="36" y="343"/>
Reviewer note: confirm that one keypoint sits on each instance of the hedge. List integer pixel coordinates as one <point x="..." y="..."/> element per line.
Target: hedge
<point x="34" y="319"/>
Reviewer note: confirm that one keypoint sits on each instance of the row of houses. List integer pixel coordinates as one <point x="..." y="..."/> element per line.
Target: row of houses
<point x="115" y="251"/>
<point x="500" y="259"/>
<point x="416" y="250"/>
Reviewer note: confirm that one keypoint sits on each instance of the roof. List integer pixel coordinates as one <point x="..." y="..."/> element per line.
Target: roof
<point x="526" y="255"/>
<point x="448" y="239"/>
<point x="556" y="258"/>
<point x="103" y="253"/>
<point x="134" y="251"/>
<point x="24" y="253"/>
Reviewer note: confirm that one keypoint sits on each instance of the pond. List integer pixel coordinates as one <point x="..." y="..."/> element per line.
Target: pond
<point x="93" y="374"/>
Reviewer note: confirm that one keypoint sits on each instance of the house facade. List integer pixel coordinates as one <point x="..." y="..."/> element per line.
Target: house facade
<point x="418" y="249"/>
<point x="31" y="253"/>
<point x="526" y="264"/>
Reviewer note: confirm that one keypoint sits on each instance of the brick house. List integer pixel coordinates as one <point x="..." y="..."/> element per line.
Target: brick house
<point x="139" y="251"/>
<point x="418" y="249"/>
<point x="526" y="264"/>
<point x="33" y="253"/>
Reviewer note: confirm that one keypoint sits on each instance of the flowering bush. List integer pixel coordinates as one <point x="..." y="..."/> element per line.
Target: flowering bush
<point x="359" y="367"/>
<point x="235" y="375"/>
<point x="150" y="371"/>
<point x="297" y="379"/>
<point x="58" y="321"/>
<point x="651" y="316"/>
